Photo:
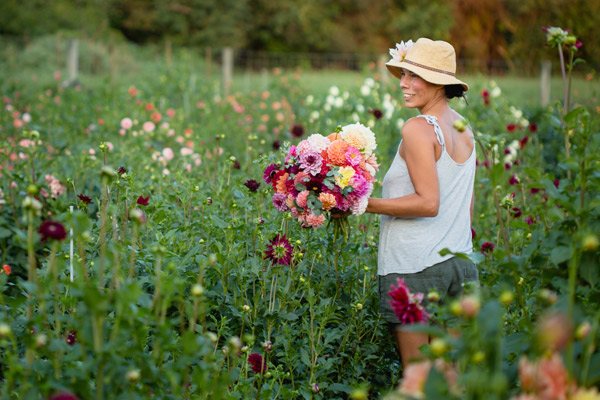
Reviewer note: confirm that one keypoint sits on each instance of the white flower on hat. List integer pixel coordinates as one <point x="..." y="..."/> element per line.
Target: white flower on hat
<point x="401" y="49"/>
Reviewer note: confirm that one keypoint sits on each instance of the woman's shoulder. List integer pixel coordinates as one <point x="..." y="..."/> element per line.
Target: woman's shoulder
<point x="416" y="125"/>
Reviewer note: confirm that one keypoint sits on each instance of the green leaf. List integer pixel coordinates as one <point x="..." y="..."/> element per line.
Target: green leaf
<point x="496" y="174"/>
<point x="4" y="233"/>
<point x="340" y="387"/>
<point x="304" y="357"/>
<point x="219" y="222"/>
<point x="560" y="254"/>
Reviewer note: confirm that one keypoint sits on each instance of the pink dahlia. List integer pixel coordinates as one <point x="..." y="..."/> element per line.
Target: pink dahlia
<point x="279" y="251"/>
<point x="311" y="162"/>
<point x="353" y="156"/>
<point x="315" y="220"/>
<point x="407" y="306"/>
<point x="302" y="198"/>
<point x="279" y="201"/>
<point x="360" y="185"/>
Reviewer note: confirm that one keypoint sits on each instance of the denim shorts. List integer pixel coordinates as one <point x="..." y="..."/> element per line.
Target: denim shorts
<point x="446" y="278"/>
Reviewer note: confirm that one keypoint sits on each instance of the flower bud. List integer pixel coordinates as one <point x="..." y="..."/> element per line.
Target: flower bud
<point x="32" y="189"/>
<point x="5" y="330"/>
<point x="315" y="388"/>
<point x="41" y="340"/>
<point x="548" y="296"/>
<point x="478" y="357"/>
<point x="244" y="349"/>
<point x="459" y="125"/>
<point x="455" y="307"/>
<point x="267" y="346"/>
<point x="197" y="290"/>
<point x="137" y="216"/>
<point x="590" y="242"/>
<point x="359" y="306"/>
<point x="433" y="296"/>
<point x="506" y="297"/>
<point x="212" y="259"/>
<point x="235" y="344"/>
<point x="30" y="203"/>
<point x="212" y="337"/>
<point x="133" y="375"/>
<point x="246" y="308"/>
<point x="268" y="374"/>
<point x="583" y="330"/>
<point x="208" y="200"/>
<point x="359" y="394"/>
<point x="438" y="346"/>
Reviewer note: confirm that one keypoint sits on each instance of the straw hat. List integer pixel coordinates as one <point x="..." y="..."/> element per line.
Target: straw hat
<point x="434" y="61"/>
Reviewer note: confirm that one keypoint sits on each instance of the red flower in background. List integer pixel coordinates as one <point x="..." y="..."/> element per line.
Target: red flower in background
<point x="63" y="396"/>
<point x="84" y="199"/>
<point x="143" y="201"/>
<point x="407" y="306"/>
<point x="511" y="127"/>
<point x="52" y="230"/>
<point x="486" y="97"/>
<point x="297" y="130"/>
<point x="257" y="363"/>
<point x="487" y="247"/>
<point x="533" y="127"/>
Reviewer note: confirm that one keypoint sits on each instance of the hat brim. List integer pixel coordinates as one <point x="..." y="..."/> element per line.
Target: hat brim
<point x="395" y="67"/>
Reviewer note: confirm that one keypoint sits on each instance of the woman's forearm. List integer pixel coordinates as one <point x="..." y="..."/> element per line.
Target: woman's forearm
<point x="411" y="206"/>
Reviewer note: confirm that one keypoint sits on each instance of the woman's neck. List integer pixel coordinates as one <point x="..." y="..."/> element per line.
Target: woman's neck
<point x="435" y="106"/>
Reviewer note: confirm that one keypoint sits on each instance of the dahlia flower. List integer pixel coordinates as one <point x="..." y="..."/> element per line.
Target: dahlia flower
<point x="279" y="201"/>
<point x="52" y="230"/>
<point x="359" y="136"/>
<point x="311" y="162"/>
<point x="407" y="306"/>
<point x="257" y="363"/>
<point x="401" y="50"/>
<point x="279" y="251"/>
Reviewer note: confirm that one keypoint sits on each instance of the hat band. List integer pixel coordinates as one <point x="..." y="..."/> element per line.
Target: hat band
<point x="429" y="68"/>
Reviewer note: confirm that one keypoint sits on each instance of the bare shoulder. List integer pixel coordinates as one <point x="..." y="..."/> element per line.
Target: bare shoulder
<point x="417" y="129"/>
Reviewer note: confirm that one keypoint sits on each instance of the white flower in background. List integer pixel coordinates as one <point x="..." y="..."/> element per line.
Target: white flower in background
<point x="401" y="49"/>
<point x="388" y="106"/>
<point x="516" y="113"/>
<point x="513" y="148"/>
<point x="496" y="92"/>
<point x="360" y="108"/>
<point x="345" y="95"/>
<point x="309" y="99"/>
<point x="371" y="123"/>
<point x="365" y="90"/>
<point x="400" y="123"/>
<point x="339" y="102"/>
<point x="314" y="115"/>
<point x="334" y="91"/>
<point x="330" y="99"/>
<point x="26" y="118"/>
<point x="370" y="82"/>
<point x="355" y="117"/>
<point x="327" y="107"/>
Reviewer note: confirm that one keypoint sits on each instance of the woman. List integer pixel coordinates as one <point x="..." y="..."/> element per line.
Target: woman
<point x="427" y="202"/>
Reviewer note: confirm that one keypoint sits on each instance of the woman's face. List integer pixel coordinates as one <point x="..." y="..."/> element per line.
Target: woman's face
<point x="417" y="91"/>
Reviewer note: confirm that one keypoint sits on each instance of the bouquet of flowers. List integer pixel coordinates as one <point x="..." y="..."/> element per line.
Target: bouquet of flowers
<point x="325" y="174"/>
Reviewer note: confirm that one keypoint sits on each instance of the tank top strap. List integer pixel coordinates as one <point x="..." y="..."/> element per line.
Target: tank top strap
<point x="431" y="120"/>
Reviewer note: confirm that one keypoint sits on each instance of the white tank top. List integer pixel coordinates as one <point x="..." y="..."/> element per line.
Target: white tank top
<point x="409" y="245"/>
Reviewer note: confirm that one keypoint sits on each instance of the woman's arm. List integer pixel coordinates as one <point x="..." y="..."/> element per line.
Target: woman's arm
<point x="418" y="144"/>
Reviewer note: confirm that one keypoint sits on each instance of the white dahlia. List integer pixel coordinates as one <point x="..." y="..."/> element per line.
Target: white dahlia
<point x="360" y="137"/>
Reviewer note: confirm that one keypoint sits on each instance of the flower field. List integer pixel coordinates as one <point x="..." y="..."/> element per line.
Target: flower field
<point x="144" y="258"/>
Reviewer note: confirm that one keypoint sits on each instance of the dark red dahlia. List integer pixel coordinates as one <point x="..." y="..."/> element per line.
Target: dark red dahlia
<point x="297" y="130"/>
<point x="511" y="127"/>
<point x="84" y="199"/>
<point x="279" y="251"/>
<point x="122" y="170"/>
<point x="252" y="185"/>
<point x="376" y="113"/>
<point x="236" y="164"/>
<point x="52" y="230"/>
<point x="72" y="337"/>
<point x="143" y="201"/>
<point x="487" y="247"/>
<point x="516" y="212"/>
<point x="257" y="363"/>
<point x="276" y="145"/>
<point x="533" y="127"/>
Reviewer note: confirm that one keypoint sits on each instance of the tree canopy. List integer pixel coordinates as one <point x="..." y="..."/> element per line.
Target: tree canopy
<point x="486" y="30"/>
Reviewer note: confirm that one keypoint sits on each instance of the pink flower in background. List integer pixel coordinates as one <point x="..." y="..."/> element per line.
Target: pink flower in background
<point x="168" y="153"/>
<point x="414" y="378"/>
<point x="170" y="113"/>
<point x="407" y="306"/>
<point x="132" y="91"/>
<point x="156" y="117"/>
<point x="148" y="126"/>
<point x="186" y="151"/>
<point x="56" y="189"/>
<point x="301" y="200"/>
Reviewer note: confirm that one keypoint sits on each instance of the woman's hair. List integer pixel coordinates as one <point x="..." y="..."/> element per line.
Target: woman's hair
<point x="453" y="91"/>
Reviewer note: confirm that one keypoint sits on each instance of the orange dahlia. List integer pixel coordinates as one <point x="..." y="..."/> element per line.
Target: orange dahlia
<point x="337" y="152"/>
<point x="281" y="187"/>
<point x="328" y="200"/>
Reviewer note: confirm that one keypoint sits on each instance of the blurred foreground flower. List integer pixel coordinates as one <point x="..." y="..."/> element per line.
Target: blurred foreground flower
<point x="52" y="230"/>
<point x="63" y="396"/>
<point x="6" y="269"/>
<point x="257" y="363"/>
<point x="547" y="378"/>
<point x="415" y="377"/>
<point x="279" y="251"/>
<point x="407" y="306"/>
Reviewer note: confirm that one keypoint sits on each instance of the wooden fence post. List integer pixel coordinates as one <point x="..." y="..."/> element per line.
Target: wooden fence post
<point x="227" y="70"/>
<point x="546" y="67"/>
<point x="72" y="61"/>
